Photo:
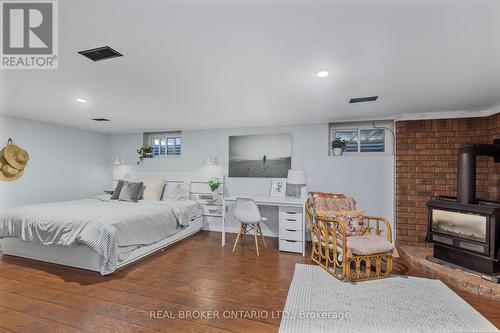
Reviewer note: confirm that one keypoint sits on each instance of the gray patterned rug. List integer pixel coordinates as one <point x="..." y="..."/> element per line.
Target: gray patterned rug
<point x="317" y="302"/>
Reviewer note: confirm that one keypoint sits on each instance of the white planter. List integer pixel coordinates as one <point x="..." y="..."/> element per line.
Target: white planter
<point x="337" y="151"/>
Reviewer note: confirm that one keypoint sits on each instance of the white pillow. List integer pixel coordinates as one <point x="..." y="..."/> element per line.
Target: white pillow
<point x="153" y="187"/>
<point x="178" y="192"/>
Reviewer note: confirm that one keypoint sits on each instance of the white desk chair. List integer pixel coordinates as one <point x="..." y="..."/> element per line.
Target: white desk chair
<point x="248" y="214"/>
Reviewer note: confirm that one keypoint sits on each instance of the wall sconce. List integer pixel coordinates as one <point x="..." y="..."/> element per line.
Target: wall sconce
<point x="210" y="160"/>
<point x="118" y="161"/>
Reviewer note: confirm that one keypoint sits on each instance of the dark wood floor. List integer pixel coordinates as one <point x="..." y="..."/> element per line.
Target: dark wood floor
<point x="195" y="275"/>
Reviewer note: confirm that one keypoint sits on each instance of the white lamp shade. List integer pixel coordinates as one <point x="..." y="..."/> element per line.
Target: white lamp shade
<point x="296" y="177"/>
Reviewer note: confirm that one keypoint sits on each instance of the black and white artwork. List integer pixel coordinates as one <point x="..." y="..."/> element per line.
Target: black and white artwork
<point x="260" y="156"/>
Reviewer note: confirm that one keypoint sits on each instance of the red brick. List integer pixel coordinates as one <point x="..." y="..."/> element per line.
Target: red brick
<point x="426" y="165"/>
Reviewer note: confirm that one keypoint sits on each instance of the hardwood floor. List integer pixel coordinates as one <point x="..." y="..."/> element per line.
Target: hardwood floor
<point x="189" y="278"/>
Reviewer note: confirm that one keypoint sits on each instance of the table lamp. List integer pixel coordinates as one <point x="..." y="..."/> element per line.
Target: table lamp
<point x="296" y="177"/>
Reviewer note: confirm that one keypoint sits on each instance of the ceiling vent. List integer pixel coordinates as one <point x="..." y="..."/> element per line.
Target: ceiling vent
<point x="363" y="99"/>
<point x="101" y="119"/>
<point x="100" y="53"/>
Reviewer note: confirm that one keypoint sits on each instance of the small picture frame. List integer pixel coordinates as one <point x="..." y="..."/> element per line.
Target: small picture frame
<point x="278" y="187"/>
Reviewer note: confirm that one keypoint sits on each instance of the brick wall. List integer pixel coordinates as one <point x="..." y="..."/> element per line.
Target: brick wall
<point x="426" y="166"/>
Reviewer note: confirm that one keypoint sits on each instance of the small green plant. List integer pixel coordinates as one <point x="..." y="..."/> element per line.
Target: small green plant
<point x="144" y="152"/>
<point x="214" y="183"/>
<point x="338" y="143"/>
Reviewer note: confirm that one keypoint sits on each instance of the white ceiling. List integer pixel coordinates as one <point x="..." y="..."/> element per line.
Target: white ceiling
<point x="209" y="64"/>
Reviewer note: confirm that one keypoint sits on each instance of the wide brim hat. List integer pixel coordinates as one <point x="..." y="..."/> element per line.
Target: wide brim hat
<point x="15" y="156"/>
<point x="8" y="172"/>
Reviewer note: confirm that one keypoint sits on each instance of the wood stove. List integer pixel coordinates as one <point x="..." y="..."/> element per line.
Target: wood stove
<point x="466" y="231"/>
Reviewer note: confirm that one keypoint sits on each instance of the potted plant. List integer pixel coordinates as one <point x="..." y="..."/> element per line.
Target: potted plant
<point x="214" y="183"/>
<point x="144" y="152"/>
<point x="338" y="146"/>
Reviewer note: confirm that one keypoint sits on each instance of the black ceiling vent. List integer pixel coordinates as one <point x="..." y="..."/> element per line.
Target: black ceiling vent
<point x="101" y="119"/>
<point x="363" y="99"/>
<point x="100" y="53"/>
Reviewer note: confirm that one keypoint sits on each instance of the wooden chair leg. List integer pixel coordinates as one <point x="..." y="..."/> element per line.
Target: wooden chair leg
<point x="237" y="237"/>
<point x="262" y="235"/>
<point x="244" y="228"/>
<point x="255" y="237"/>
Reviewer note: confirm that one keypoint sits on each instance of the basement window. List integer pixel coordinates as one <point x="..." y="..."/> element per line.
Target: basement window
<point x="164" y="143"/>
<point x="363" y="137"/>
<point x="351" y="138"/>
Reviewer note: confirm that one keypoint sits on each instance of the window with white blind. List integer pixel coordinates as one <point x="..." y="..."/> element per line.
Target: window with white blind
<point x="364" y="137"/>
<point x="164" y="143"/>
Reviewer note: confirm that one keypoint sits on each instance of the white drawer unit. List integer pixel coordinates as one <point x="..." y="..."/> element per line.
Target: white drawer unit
<point x="290" y="229"/>
<point x="211" y="205"/>
<point x="290" y="245"/>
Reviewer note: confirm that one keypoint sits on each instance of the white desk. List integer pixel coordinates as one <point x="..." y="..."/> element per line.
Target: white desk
<point x="292" y="217"/>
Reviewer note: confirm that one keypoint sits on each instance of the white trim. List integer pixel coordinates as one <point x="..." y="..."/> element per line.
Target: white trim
<point x="446" y="114"/>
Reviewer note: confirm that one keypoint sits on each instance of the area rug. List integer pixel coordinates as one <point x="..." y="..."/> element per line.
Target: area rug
<point x="317" y="302"/>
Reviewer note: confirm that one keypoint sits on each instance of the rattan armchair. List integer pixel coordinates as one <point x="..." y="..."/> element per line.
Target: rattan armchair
<point x="330" y="238"/>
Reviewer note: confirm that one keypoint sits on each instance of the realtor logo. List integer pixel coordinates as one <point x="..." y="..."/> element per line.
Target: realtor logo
<point x="29" y="35"/>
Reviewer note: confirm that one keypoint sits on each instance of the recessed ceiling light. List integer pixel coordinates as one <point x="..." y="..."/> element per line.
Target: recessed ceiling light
<point x="81" y="100"/>
<point x="322" y="74"/>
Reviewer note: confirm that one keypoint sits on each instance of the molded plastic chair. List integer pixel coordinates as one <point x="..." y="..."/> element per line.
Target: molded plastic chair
<point x="248" y="214"/>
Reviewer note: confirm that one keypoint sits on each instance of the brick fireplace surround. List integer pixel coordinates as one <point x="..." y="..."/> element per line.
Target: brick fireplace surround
<point x="426" y="166"/>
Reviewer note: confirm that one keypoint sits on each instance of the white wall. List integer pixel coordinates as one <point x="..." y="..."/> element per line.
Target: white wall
<point x="65" y="163"/>
<point x="367" y="178"/>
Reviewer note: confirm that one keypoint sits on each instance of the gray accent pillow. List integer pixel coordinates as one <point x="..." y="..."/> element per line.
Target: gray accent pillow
<point x="131" y="191"/>
<point x="118" y="189"/>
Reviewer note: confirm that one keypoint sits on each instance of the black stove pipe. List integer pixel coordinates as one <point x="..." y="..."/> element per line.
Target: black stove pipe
<point x="467" y="156"/>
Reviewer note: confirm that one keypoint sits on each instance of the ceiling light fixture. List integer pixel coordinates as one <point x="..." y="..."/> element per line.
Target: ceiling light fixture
<point x="322" y="74"/>
<point x="81" y="100"/>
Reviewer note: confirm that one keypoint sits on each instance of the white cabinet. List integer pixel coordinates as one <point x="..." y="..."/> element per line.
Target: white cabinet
<point x="291" y="230"/>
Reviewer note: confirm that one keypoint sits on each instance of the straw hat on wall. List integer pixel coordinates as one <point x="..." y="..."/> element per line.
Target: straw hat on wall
<point x="13" y="160"/>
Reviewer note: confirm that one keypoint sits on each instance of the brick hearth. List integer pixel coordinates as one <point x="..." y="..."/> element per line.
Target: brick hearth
<point x="458" y="278"/>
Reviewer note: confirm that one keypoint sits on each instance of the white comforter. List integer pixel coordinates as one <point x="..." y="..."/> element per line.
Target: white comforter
<point x="111" y="228"/>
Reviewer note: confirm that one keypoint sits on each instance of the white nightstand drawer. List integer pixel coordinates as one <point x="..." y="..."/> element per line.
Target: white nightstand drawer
<point x="290" y="246"/>
<point x="291" y="224"/>
<point x="211" y="210"/>
<point x="291" y="234"/>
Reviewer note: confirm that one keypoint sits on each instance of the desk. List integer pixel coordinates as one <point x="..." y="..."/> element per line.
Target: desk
<point x="292" y="217"/>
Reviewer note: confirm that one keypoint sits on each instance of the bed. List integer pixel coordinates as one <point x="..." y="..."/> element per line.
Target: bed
<point x="97" y="234"/>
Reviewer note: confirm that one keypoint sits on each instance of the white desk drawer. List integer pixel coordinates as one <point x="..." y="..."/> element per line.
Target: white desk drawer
<point x="291" y="224"/>
<point x="290" y="246"/>
<point x="291" y="234"/>
<point x="290" y="216"/>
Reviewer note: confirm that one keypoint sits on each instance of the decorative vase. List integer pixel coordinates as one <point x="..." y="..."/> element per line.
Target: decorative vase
<point x="338" y="151"/>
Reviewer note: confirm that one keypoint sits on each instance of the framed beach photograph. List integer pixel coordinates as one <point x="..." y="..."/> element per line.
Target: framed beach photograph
<point x="260" y="156"/>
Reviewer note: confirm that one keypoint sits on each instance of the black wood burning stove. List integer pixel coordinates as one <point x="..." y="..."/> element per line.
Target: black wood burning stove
<point x="466" y="231"/>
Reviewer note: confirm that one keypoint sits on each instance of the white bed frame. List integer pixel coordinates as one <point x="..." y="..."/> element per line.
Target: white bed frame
<point x="83" y="257"/>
